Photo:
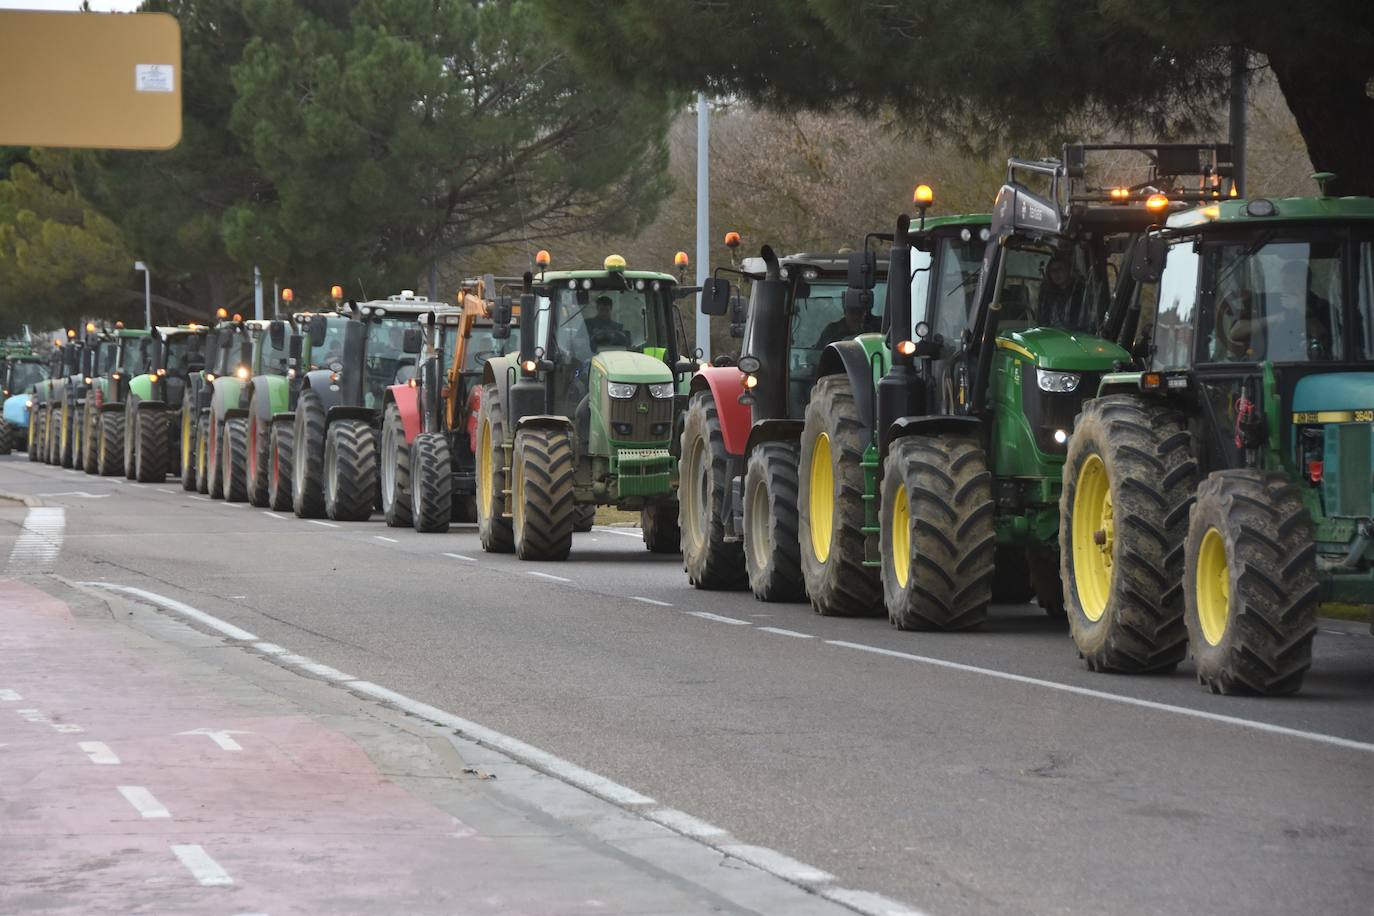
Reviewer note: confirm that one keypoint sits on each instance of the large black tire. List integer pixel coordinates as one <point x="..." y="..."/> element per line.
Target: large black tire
<point x="131" y="439"/>
<point x="831" y="504"/>
<point x="659" y="525"/>
<point x="85" y="446"/>
<point x="395" y="469"/>
<point x="279" y="472"/>
<point x="214" y="458"/>
<point x="542" y="503"/>
<point x="203" y="454"/>
<point x="431" y="483"/>
<point x="63" y="433"/>
<point x="234" y="463"/>
<point x="259" y="448"/>
<point x="52" y="452"/>
<point x="584" y="519"/>
<point x="35" y="435"/>
<point x="152" y="445"/>
<point x="187" y="448"/>
<point x="6" y="437"/>
<point x="710" y="560"/>
<point x="307" y="459"/>
<point x="493" y="526"/>
<point x="938" y="540"/>
<point x="110" y="461"/>
<point x="1250" y="583"/>
<point x="1012" y="584"/>
<point x="1131" y="460"/>
<point x="350" y="471"/>
<point x="1049" y="588"/>
<point x="772" y="552"/>
<point x="75" y="450"/>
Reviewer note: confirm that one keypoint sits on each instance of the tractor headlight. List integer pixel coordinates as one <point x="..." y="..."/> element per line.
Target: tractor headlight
<point x="661" y="390"/>
<point x="621" y="390"/>
<point x="1056" y="382"/>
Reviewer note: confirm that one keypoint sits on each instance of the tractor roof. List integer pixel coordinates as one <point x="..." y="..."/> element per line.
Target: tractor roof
<point x="1254" y="211"/>
<point x="554" y="276"/>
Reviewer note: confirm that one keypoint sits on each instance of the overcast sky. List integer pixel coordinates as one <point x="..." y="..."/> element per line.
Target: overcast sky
<point x="59" y="5"/>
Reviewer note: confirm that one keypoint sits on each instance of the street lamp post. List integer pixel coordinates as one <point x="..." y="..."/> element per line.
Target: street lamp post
<point x="147" y="294"/>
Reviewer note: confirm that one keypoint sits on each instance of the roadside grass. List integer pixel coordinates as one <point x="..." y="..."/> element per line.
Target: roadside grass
<point x="1345" y="611"/>
<point x="610" y="515"/>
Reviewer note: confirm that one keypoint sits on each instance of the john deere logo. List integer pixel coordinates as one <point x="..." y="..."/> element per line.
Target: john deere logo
<point x="642" y="408"/>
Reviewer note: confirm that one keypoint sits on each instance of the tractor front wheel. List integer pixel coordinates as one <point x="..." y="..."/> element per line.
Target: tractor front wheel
<point x="110" y="461"/>
<point x="234" y="465"/>
<point x="772" y="551"/>
<point x="431" y="483"/>
<point x="188" y="448"/>
<point x="150" y="451"/>
<point x="710" y="560"/>
<point x="1049" y="588"/>
<point x="279" y="469"/>
<point x="938" y="542"/>
<point x="85" y="442"/>
<point x="542" y="503"/>
<point x="395" y="470"/>
<point x="259" y="448"/>
<point x="307" y="460"/>
<point x="350" y="471"/>
<point x="131" y="439"/>
<point x="203" y="455"/>
<point x="493" y="527"/>
<point x="659" y="525"/>
<point x="1250" y="584"/>
<point x="1129" y="478"/>
<point x="35" y="435"/>
<point x="584" y="520"/>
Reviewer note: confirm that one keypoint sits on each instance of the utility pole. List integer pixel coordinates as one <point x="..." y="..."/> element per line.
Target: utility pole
<point x="257" y="293"/>
<point x="276" y="297"/>
<point x="1239" y="68"/>
<point x="703" y="322"/>
<point x="147" y="294"/>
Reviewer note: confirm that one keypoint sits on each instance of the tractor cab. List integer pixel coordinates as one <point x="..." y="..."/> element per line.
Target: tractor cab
<point x="395" y="333"/>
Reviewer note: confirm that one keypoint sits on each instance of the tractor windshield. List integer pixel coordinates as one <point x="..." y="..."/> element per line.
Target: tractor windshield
<point x="135" y="358"/>
<point x="272" y="360"/>
<point x="819" y="319"/>
<point x="1046" y="287"/>
<point x="179" y="350"/>
<point x="481" y="347"/>
<point x="105" y="356"/>
<point x="592" y="320"/>
<point x="1282" y="299"/>
<point x="386" y="356"/>
<point x="953" y="269"/>
<point x="331" y="351"/>
<point x="24" y="375"/>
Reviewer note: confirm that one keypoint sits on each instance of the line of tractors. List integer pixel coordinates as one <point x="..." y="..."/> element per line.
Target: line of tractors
<point x="1147" y="406"/>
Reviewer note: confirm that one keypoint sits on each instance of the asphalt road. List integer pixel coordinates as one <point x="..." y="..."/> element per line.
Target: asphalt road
<point x="974" y="773"/>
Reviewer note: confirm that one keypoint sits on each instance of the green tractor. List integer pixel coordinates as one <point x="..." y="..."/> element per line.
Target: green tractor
<point x="63" y="361"/>
<point x="583" y="415"/>
<point x="152" y="411"/>
<point x="118" y="355"/>
<point x="20" y="371"/>
<point x="1232" y="471"/>
<point x="941" y="494"/>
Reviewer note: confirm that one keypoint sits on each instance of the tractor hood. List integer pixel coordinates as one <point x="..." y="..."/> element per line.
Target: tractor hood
<point x="17" y="409"/>
<point x="1332" y="391"/>
<point x="1053" y="348"/>
<point x="629" y="366"/>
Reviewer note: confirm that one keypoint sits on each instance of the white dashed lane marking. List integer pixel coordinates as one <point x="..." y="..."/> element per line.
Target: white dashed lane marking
<point x="143" y="802"/>
<point x="315" y="521"/>
<point x="781" y="632"/>
<point x="387" y="539"/>
<point x="99" y="752"/>
<point x="550" y="576"/>
<point x="650" y="601"/>
<point x="459" y="556"/>
<point x="718" y="618"/>
<point x="203" y="868"/>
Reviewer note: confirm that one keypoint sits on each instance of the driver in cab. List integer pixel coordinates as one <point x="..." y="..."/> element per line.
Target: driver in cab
<point x="602" y="329"/>
<point x="1243" y="334"/>
<point x="853" y="322"/>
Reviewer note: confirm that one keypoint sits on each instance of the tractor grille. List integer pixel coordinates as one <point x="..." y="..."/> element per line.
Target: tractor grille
<point x="642" y="418"/>
<point x="1346" y="483"/>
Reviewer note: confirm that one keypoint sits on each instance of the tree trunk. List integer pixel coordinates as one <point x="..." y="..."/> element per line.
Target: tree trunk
<point x="1335" y="114"/>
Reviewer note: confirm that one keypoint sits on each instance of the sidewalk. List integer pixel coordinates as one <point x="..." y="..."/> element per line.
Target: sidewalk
<point x="148" y="767"/>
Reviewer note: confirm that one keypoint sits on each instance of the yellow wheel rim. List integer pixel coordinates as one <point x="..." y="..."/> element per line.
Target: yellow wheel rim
<point x="185" y="443"/>
<point x="1094" y="537"/>
<point x="484" y="469"/>
<point x="900" y="536"/>
<point x="518" y="510"/>
<point x="1213" y="587"/>
<point x="822" y="489"/>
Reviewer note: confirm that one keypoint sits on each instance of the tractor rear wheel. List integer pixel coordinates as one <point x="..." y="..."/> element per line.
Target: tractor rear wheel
<point x="493" y="527"/>
<point x="542" y="504"/>
<point x="35" y="435"/>
<point x="69" y="454"/>
<point x="831" y="504"/>
<point x="772" y="551"/>
<point x="110" y="460"/>
<point x="350" y="471"/>
<point x="1250" y="584"/>
<point x="659" y="524"/>
<point x="82" y="451"/>
<point x="395" y="469"/>
<point x="1049" y="588"/>
<point x="214" y="458"/>
<point x="711" y="561"/>
<point x="187" y="447"/>
<point x="234" y="464"/>
<point x="279" y="469"/>
<point x="1012" y="584"/>
<point x="203" y="455"/>
<point x="1129" y="478"/>
<point x="938" y="542"/>
<point x="131" y="439"/>
<point x="259" y="448"/>
<point x="431" y="483"/>
<point x="307" y="459"/>
<point x="150" y="454"/>
<point x="584" y="519"/>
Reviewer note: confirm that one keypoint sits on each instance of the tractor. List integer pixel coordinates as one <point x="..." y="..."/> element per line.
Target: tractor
<point x="339" y="410"/>
<point x="152" y="412"/>
<point x="584" y="414"/>
<point x="1230" y="470"/>
<point x="22" y="371"/>
<point x="67" y="398"/>
<point x="120" y="356"/>
<point x="442" y="401"/>
<point x="64" y="359"/>
<point x="936" y="491"/>
<point x="743" y="422"/>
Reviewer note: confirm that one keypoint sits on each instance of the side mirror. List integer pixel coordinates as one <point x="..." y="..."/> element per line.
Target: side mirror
<point x="500" y="317"/>
<point x="1148" y="259"/>
<point x="318" y="325"/>
<point x="277" y="334"/>
<point x="412" y="340"/>
<point x="863" y="269"/>
<point x="715" y="296"/>
<point x="294" y="349"/>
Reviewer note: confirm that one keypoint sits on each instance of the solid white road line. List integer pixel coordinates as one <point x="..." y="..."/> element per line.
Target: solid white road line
<point x="235" y="505"/>
<point x="707" y="615"/>
<point x="1115" y="697"/>
<point x="144" y="802"/>
<point x="550" y="576"/>
<point x="388" y="540"/>
<point x="204" y="499"/>
<point x="315" y="521"/>
<point x="633" y="533"/>
<point x="650" y="601"/>
<point x="171" y="604"/>
<point x="459" y="556"/>
<point x="203" y="868"/>
<point x="781" y="632"/>
<point x="99" y="752"/>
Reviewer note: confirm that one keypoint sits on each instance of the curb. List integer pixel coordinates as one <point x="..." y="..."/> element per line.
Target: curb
<point x="33" y="502"/>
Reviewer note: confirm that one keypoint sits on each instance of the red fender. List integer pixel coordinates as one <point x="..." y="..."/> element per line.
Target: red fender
<point x="725" y="385"/>
<point x="408" y="403"/>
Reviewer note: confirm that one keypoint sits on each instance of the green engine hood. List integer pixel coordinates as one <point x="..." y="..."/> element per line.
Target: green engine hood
<point x="628" y="366"/>
<point x="1053" y="348"/>
<point x="1334" y="391"/>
